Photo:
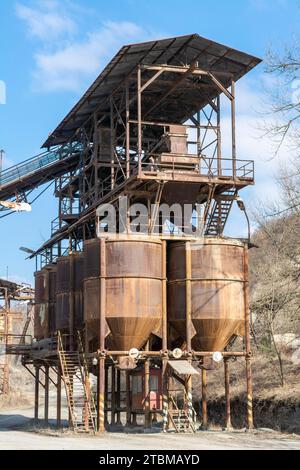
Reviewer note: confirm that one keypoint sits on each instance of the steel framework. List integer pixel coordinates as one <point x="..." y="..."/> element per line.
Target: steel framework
<point x="148" y="129"/>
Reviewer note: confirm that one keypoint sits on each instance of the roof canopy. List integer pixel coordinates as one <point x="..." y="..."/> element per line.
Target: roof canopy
<point x="193" y="93"/>
<point x="183" y="368"/>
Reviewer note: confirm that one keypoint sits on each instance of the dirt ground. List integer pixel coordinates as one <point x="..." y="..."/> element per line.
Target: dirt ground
<point x="17" y="432"/>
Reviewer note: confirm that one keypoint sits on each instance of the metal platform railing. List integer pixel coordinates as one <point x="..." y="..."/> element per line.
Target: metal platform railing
<point x="38" y="162"/>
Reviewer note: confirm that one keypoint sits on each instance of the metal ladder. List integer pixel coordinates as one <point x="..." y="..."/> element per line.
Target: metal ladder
<point x="180" y="418"/>
<point x="76" y="380"/>
<point x="219" y="214"/>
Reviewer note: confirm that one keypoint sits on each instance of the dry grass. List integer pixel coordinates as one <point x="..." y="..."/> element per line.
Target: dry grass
<point x="21" y="388"/>
<point x="15" y="399"/>
<point x="266" y="382"/>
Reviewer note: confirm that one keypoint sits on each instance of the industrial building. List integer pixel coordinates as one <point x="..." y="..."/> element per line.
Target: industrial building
<point x="150" y="306"/>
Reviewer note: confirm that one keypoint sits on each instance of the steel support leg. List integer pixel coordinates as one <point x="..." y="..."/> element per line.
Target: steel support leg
<point x="204" y="399"/>
<point x="46" y="414"/>
<point x="36" y="394"/>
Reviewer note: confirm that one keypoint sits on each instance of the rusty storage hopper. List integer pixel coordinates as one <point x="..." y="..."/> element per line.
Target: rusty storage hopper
<point x="62" y="294"/>
<point x="78" y="290"/>
<point x="69" y="302"/>
<point x="217" y="291"/>
<point x="45" y="299"/>
<point x="133" y="291"/>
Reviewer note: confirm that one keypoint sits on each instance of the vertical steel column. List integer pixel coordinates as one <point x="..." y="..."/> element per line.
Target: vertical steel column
<point x="71" y="304"/>
<point x="113" y="395"/>
<point x="95" y="156"/>
<point x="58" y="398"/>
<point x="219" y="142"/>
<point x="204" y="399"/>
<point x="188" y="300"/>
<point x="127" y="131"/>
<point x="164" y="335"/>
<point x="128" y="399"/>
<point x="147" y="389"/>
<point x="5" y="379"/>
<point x="118" y="397"/>
<point x="170" y="403"/>
<point x="101" y="361"/>
<point x="248" y="341"/>
<point x="233" y="127"/>
<point x="112" y="144"/>
<point x="199" y="145"/>
<point x="188" y="267"/>
<point x="164" y="297"/>
<point x="36" y="393"/>
<point x="46" y="415"/>
<point x="165" y="393"/>
<point x="139" y="113"/>
<point x="106" y="396"/>
<point x="227" y="393"/>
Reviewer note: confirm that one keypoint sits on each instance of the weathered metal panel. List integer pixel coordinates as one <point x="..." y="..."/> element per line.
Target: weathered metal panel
<point x="217" y="297"/>
<point x="133" y="291"/>
<point x="41" y="286"/>
<point x="183" y="368"/>
<point x="41" y="320"/>
<point x="172" y="51"/>
<point x="62" y="311"/>
<point x="62" y="294"/>
<point x="45" y="298"/>
<point x="78" y="290"/>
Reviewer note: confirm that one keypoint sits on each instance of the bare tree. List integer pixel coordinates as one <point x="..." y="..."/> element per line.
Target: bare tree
<point x="275" y="273"/>
<point x="284" y="96"/>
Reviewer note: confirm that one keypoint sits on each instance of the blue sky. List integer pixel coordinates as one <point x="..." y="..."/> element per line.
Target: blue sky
<point x="52" y="50"/>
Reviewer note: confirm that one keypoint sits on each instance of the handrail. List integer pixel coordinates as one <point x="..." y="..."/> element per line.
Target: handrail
<point x="43" y="160"/>
<point x="90" y="399"/>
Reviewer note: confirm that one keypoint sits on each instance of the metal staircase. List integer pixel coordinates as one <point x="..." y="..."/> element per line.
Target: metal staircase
<point x="219" y="215"/>
<point x="75" y="376"/>
<point x="182" y="419"/>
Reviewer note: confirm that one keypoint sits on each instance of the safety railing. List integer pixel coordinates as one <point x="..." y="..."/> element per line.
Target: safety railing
<point x="203" y="166"/>
<point x="43" y="160"/>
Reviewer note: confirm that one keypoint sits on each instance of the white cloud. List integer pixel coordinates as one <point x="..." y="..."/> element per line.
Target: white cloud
<point x="47" y="20"/>
<point x="63" y="59"/>
<point x="67" y="68"/>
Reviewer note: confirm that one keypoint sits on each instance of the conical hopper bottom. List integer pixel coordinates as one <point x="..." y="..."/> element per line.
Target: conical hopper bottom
<point x="215" y="334"/>
<point x="130" y="332"/>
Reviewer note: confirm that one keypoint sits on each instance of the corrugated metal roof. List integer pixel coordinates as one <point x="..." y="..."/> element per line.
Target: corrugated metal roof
<point x="183" y="368"/>
<point x="225" y="62"/>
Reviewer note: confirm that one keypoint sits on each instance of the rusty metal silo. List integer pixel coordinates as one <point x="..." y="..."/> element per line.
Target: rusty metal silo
<point x="217" y="278"/>
<point x="78" y="290"/>
<point x="45" y="302"/>
<point x="62" y="294"/>
<point x="133" y="291"/>
<point x="69" y="311"/>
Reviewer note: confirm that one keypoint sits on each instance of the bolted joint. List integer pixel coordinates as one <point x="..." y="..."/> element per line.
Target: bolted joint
<point x="102" y="354"/>
<point x="164" y="353"/>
